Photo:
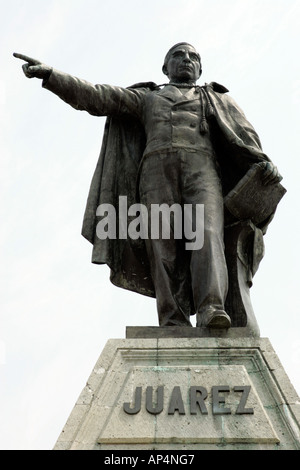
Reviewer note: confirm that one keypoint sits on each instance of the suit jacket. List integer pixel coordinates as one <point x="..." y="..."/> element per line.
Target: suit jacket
<point x="172" y="120"/>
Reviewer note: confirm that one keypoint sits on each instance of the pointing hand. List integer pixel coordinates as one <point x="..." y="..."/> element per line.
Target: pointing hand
<point x="34" y="68"/>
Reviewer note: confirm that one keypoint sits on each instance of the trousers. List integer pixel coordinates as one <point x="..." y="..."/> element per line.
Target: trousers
<point x="186" y="281"/>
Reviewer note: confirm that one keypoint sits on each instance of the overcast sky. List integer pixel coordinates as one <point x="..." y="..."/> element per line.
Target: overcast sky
<point x="57" y="309"/>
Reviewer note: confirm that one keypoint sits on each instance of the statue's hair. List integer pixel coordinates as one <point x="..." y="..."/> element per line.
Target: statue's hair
<point x="171" y="50"/>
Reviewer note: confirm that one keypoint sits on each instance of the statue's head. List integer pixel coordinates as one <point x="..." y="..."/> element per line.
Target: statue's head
<point x="182" y="63"/>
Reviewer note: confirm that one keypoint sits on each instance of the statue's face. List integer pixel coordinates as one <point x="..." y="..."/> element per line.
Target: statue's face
<point x="183" y="65"/>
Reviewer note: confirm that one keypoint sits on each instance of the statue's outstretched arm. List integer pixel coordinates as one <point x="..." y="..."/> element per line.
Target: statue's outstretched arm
<point x="98" y="100"/>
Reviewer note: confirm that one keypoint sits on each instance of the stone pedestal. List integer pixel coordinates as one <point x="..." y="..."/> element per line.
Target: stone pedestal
<point x="189" y="391"/>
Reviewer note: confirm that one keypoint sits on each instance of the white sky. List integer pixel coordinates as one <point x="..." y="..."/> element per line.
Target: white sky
<point x="57" y="309"/>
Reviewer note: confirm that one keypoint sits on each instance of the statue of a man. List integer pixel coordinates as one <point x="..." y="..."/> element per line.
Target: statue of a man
<point x="177" y="143"/>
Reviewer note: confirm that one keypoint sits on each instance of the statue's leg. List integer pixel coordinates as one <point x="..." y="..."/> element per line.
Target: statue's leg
<point x="169" y="267"/>
<point x="201" y="185"/>
<point x="172" y="288"/>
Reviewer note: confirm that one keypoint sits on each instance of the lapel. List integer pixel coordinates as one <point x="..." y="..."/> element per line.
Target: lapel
<point x="174" y="94"/>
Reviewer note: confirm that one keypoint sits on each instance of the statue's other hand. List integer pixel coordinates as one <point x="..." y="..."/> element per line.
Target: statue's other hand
<point x="34" y="68"/>
<point x="271" y="174"/>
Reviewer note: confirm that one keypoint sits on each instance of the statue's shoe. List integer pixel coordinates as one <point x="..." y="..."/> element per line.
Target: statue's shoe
<point x="219" y="319"/>
<point x="215" y="319"/>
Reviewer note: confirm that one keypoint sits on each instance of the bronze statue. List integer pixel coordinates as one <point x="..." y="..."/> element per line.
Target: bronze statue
<point x="178" y="144"/>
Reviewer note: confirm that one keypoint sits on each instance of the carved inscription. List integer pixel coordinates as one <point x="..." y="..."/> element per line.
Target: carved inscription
<point x="156" y="401"/>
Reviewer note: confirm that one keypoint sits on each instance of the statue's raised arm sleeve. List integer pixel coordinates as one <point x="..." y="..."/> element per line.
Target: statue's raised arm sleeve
<point x="98" y="100"/>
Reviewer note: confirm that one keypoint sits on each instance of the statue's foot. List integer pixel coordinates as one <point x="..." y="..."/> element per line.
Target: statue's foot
<point x="215" y="319"/>
<point x="220" y="319"/>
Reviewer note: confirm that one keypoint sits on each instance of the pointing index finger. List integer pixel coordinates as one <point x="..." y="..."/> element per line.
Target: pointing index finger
<point x="28" y="59"/>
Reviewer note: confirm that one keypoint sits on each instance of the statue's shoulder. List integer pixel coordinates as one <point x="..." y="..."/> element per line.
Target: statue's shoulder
<point x="220" y="93"/>
<point x="217" y="87"/>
